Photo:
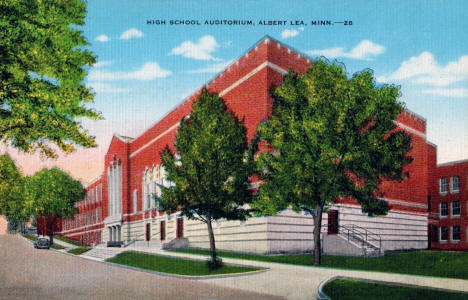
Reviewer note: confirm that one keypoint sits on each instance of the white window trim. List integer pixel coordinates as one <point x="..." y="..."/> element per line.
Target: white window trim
<point x="440" y="186"/>
<point x="440" y="235"/>
<point x="451" y="210"/>
<point x="451" y="235"/>
<point x="440" y="211"/>
<point x="452" y="190"/>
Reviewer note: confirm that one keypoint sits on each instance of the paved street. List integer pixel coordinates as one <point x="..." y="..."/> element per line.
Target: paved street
<point x="27" y="273"/>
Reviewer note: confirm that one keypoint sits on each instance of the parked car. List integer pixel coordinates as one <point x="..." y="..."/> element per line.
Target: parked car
<point x="42" y="243"/>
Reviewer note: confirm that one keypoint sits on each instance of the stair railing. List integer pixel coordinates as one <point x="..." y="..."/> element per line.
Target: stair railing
<point x="362" y="235"/>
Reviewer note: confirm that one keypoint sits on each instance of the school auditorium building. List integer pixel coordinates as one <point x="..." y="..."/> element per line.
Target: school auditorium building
<point x="118" y="206"/>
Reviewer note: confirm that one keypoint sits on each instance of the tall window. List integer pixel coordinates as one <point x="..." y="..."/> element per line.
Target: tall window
<point x="114" y="179"/>
<point x="455" y="233"/>
<point x="443" y="185"/>
<point x="443" y="233"/>
<point x="135" y="201"/>
<point x="454" y="184"/>
<point x="456" y="208"/>
<point x="443" y="209"/>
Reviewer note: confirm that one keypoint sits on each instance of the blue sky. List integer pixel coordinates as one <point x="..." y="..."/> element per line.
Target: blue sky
<point x="143" y="71"/>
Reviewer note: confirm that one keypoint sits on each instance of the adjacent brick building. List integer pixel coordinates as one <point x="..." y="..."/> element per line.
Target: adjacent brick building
<point x="119" y="207"/>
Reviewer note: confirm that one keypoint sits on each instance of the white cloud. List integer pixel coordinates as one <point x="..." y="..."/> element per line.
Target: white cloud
<point x="451" y="92"/>
<point x="102" y="38"/>
<point x="149" y="71"/>
<point x="364" y="51"/>
<point x="212" y="68"/>
<point x="424" y="70"/>
<point x="103" y="63"/>
<point x="100" y="87"/>
<point x="132" y="33"/>
<point x="287" y="33"/>
<point x="200" y="51"/>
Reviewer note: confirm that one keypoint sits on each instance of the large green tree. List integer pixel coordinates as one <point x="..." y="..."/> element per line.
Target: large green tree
<point x="212" y="168"/>
<point x="42" y="66"/>
<point x="332" y="136"/>
<point x="12" y="202"/>
<point x="52" y="193"/>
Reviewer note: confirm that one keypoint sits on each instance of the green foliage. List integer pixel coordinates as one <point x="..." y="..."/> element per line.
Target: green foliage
<point x="12" y="202"/>
<point x="43" y="64"/>
<point x="52" y="192"/>
<point x="332" y="137"/>
<point x="211" y="175"/>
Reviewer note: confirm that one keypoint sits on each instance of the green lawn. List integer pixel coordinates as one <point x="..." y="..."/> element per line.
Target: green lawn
<point x="171" y="265"/>
<point x="79" y="250"/>
<point x="67" y="240"/>
<point x="428" y="263"/>
<point x="57" y="247"/>
<point x="344" y="289"/>
<point x="30" y="237"/>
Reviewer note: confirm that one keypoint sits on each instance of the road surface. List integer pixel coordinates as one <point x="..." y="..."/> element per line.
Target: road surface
<point x="28" y="273"/>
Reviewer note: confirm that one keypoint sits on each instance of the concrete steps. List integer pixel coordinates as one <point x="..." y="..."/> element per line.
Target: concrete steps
<point x="102" y="253"/>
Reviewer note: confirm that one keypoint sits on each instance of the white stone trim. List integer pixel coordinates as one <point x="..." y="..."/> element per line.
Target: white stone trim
<point x="412" y="130"/>
<point x="222" y="93"/>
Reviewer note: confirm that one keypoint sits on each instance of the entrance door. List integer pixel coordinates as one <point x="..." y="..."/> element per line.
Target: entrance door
<point x="180" y="228"/>
<point x="333" y="222"/>
<point x="148" y="232"/>
<point x="432" y="235"/>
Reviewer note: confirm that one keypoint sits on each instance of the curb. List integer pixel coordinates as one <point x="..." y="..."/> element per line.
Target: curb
<point x="323" y="296"/>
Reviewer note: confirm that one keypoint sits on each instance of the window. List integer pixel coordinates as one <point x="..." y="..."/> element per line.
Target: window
<point x="443" y="233"/>
<point x="454" y="184"/>
<point x="443" y="185"/>
<point x="443" y="209"/>
<point x="456" y="208"/>
<point x="135" y="201"/>
<point x="455" y="233"/>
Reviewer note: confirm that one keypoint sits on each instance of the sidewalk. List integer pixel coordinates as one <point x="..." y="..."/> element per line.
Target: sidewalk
<point x="302" y="282"/>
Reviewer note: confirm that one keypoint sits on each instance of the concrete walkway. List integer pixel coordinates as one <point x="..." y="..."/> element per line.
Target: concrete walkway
<point x="302" y="282"/>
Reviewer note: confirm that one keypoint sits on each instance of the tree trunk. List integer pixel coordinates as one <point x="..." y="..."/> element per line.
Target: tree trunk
<point x="317" y="241"/>
<point x="212" y="242"/>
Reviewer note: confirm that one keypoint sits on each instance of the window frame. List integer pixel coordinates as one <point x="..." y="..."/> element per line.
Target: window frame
<point x="452" y="214"/>
<point x="452" y="180"/>
<point x="446" y="210"/>
<point x="445" y="185"/>
<point x="452" y="231"/>
<point x="440" y="234"/>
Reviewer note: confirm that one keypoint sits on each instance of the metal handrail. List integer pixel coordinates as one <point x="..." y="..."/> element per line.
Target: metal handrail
<point x="363" y="235"/>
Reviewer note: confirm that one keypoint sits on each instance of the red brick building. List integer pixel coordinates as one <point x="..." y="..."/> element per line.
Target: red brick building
<point x="448" y="218"/>
<point x="119" y="207"/>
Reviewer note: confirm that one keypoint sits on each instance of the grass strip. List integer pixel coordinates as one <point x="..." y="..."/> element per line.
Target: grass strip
<point x="172" y="265"/>
<point x="427" y="263"/>
<point x="57" y="247"/>
<point x="30" y="237"/>
<point x="67" y="240"/>
<point x="79" y="250"/>
<point x="344" y="289"/>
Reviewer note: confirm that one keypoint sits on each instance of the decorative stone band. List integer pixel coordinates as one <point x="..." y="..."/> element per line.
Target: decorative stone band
<point x="222" y="93"/>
